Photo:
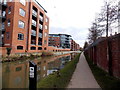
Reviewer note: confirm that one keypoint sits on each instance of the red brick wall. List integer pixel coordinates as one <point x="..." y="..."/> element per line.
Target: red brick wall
<point x="98" y="53"/>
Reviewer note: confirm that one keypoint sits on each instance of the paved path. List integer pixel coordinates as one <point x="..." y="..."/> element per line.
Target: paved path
<point x="83" y="77"/>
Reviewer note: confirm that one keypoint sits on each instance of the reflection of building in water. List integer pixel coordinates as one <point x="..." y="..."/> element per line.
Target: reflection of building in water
<point x="73" y="55"/>
<point x="15" y="75"/>
<point x="53" y="66"/>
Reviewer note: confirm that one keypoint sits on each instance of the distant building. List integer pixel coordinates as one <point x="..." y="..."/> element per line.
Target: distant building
<point x="60" y="40"/>
<point x="74" y="46"/>
<point x="65" y="41"/>
<point x="54" y="40"/>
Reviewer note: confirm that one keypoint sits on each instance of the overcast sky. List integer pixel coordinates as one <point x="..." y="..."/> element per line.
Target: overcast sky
<point x="72" y="17"/>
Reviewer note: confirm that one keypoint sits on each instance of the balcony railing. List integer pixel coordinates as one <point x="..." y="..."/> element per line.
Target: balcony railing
<point x="34" y="13"/>
<point x="40" y="26"/>
<point x="34" y="23"/>
<point x="3" y="26"/>
<point x="41" y="18"/>
<point x="33" y="32"/>
<point x="4" y="5"/>
<point x="40" y="35"/>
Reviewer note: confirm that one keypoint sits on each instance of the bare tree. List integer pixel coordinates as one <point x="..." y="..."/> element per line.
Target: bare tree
<point x="108" y="16"/>
<point x="94" y="32"/>
<point x="85" y="45"/>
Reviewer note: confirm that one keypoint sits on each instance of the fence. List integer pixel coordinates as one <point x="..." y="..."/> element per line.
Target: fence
<point x="105" y="53"/>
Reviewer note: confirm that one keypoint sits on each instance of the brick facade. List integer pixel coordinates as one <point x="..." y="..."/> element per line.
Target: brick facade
<point x="105" y="53"/>
<point x="35" y="39"/>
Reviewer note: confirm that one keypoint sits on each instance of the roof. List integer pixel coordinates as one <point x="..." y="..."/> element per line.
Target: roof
<point x="40" y="5"/>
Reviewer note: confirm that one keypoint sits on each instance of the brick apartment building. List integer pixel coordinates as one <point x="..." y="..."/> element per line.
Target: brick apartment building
<point x="54" y="40"/>
<point x="25" y="26"/>
<point x="60" y="40"/>
<point x="63" y="41"/>
<point x="74" y="46"/>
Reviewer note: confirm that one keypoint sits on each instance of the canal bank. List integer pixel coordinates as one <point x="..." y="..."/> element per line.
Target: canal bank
<point x="24" y="56"/>
<point x="60" y="79"/>
<point x="16" y="74"/>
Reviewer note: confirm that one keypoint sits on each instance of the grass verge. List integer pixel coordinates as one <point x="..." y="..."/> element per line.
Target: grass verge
<point x="105" y="81"/>
<point x="60" y="79"/>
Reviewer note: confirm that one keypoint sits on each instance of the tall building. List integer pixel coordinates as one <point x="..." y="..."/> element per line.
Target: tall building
<point x="25" y="26"/>
<point x="60" y="40"/>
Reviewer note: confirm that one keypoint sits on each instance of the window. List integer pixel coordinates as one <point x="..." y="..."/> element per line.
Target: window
<point x="33" y="48"/>
<point x="45" y="34"/>
<point x="45" y="41"/>
<point x="20" y="36"/>
<point x="9" y="9"/>
<point x="45" y="26"/>
<point x="39" y="48"/>
<point x="7" y="35"/>
<point x="18" y="68"/>
<point x="20" y="47"/>
<point x="8" y="22"/>
<point x="46" y="19"/>
<point x="21" y="24"/>
<point x="23" y="2"/>
<point x="45" y="48"/>
<point x="22" y="12"/>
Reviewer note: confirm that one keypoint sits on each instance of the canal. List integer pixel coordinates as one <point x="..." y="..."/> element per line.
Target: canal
<point x="16" y="74"/>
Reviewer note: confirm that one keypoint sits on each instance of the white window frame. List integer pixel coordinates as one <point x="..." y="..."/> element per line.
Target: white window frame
<point x="8" y="23"/>
<point x="46" y="34"/>
<point x="22" y="12"/>
<point x="46" y="19"/>
<point x="23" y="2"/>
<point x="46" y="27"/>
<point x="22" y="38"/>
<point x="21" y="24"/>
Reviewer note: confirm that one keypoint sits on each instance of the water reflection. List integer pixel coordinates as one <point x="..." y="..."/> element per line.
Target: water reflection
<point x="16" y="74"/>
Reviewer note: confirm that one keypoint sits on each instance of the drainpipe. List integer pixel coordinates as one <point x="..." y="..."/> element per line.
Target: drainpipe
<point x="27" y="38"/>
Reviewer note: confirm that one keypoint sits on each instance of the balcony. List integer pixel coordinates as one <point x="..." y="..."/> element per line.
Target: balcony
<point x="40" y="26"/>
<point x="33" y="42"/>
<point x="40" y="35"/>
<point x="34" y="13"/>
<point x="3" y="28"/>
<point x="4" y="5"/>
<point x="33" y="32"/>
<point x="41" y="18"/>
<point x="3" y="16"/>
<point x="39" y="43"/>
<point x="34" y="23"/>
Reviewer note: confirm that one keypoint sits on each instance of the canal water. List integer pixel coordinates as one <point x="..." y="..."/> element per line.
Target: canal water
<point x="16" y="74"/>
